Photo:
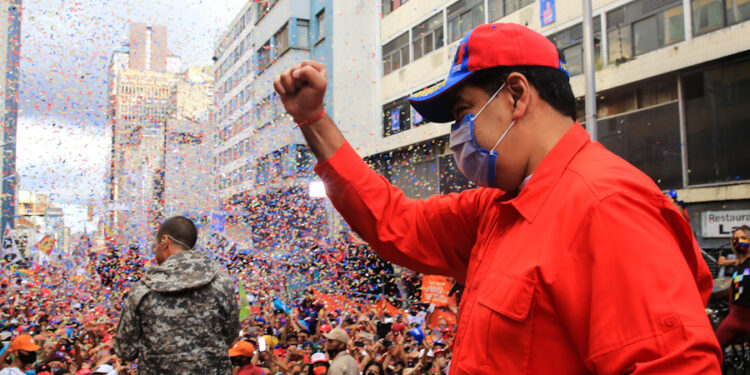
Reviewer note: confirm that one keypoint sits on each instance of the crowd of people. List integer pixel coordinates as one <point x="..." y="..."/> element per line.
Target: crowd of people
<point x="71" y="311"/>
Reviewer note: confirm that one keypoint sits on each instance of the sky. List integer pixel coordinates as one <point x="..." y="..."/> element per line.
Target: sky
<point x="62" y="138"/>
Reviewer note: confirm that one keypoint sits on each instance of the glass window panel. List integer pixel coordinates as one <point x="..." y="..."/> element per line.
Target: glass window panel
<point x="708" y="15"/>
<point x="511" y="6"/>
<point x="737" y="11"/>
<point x="574" y="59"/>
<point x="496" y="9"/>
<point x="620" y="44"/>
<point x="717" y="119"/>
<point x="454" y="32"/>
<point x="302" y="32"/>
<point x="417" y="47"/>
<point x="456" y="9"/>
<point x="616" y="18"/>
<point x="671" y="26"/>
<point x="404" y="55"/>
<point x="648" y="139"/>
<point x="428" y="43"/>
<point x="645" y="35"/>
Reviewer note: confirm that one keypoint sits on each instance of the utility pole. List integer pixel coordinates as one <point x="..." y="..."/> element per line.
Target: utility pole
<point x="588" y="69"/>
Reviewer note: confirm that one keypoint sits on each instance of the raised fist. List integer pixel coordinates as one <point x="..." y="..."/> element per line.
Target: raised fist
<point x="301" y="89"/>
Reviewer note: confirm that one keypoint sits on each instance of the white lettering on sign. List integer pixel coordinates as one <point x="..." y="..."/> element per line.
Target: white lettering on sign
<point x="721" y="223"/>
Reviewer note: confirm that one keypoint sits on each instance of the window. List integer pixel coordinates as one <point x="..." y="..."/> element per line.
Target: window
<point x="570" y="42"/>
<point x="281" y="41"/>
<point x="619" y="39"/>
<point x="643" y="26"/>
<point x="391" y="5"/>
<point x="303" y="26"/>
<point x="501" y="8"/>
<point x="396" y="53"/>
<point x="464" y="16"/>
<point x="427" y="36"/>
<point x="709" y="15"/>
<point x="262" y="7"/>
<point x="396" y="117"/>
<point x="737" y="11"/>
<point x="320" y="32"/>
<point x="649" y="139"/>
<point x="264" y="56"/>
<point x="716" y="102"/>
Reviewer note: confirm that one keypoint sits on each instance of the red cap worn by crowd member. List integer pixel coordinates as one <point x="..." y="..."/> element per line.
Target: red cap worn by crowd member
<point x="325" y="328"/>
<point x="398" y="327"/>
<point x="486" y="46"/>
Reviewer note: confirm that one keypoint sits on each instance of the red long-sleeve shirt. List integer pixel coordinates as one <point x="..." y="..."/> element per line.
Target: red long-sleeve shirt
<point x="589" y="269"/>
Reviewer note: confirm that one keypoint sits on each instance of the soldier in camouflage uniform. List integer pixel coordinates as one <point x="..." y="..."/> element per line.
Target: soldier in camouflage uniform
<point x="182" y="317"/>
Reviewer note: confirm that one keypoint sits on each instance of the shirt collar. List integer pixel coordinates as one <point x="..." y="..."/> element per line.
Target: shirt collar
<point x="529" y="200"/>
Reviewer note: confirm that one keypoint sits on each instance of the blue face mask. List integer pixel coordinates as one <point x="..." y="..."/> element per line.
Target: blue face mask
<point x="476" y="163"/>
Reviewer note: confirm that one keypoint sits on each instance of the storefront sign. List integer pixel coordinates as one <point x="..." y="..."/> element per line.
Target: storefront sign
<point x="721" y="223"/>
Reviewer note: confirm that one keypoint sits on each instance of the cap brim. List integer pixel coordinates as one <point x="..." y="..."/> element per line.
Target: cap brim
<point x="433" y="105"/>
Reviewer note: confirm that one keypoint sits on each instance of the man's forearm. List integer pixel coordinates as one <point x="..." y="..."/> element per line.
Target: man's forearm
<point x="323" y="138"/>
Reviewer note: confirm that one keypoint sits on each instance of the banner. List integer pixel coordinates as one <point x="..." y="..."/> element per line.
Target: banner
<point x="244" y="306"/>
<point x="46" y="244"/>
<point x="10" y="253"/>
<point x="435" y="290"/>
<point x="547" y="11"/>
<point x="440" y="317"/>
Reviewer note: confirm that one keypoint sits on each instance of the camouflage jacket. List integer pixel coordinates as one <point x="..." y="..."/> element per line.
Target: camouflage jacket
<point x="180" y="318"/>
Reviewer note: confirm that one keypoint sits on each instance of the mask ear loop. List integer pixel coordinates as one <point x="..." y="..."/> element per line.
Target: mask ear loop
<point x="179" y="242"/>
<point x="489" y="101"/>
<point x="503" y="136"/>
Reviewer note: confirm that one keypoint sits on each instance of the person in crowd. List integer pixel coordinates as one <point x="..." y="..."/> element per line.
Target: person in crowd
<point x="182" y="316"/>
<point x="738" y="321"/>
<point x="241" y="355"/>
<point x="21" y="353"/>
<point x="318" y="364"/>
<point x="728" y="260"/>
<point x="342" y="363"/>
<point x="573" y="260"/>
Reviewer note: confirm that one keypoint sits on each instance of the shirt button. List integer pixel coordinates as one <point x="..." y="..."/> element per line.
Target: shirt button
<point x="475" y="285"/>
<point x="669" y="321"/>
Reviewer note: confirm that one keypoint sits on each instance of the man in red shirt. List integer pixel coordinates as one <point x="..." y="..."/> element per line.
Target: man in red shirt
<point x="573" y="260"/>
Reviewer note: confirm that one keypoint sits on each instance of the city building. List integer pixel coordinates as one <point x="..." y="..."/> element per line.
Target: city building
<point x="672" y="81"/>
<point x="189" y="187"/>
<point x="10" y="55"/>
<point x="159" y="116"/>
<point x="36" y="217"/>
<point x="265" y="169"/>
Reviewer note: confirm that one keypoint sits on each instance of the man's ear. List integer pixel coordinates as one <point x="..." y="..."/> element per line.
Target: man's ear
<point x="519" y="89"/>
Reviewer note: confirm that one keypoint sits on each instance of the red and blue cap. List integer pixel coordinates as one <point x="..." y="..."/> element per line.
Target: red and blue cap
<point x="486" y="46"/>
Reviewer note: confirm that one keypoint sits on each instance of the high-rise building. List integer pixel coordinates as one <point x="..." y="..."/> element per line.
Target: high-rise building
<point x="266" y="169"/>
<point x="10" y="54"/>
<point x="189" y="189"/>
<point x="672" y="79"/>
<point x="148" y="105"/>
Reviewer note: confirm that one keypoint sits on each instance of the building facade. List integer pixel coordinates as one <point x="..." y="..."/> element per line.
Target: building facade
<point x="265" y="167"/>
<point x="10" y="55"/>
<point x="672" y="79"/>
<point x="160" y="134"/>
